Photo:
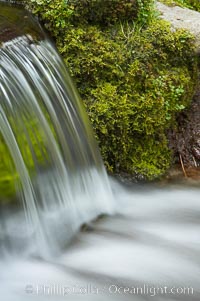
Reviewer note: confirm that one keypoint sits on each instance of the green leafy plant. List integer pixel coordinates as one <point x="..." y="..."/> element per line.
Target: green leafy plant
<point x="146" y="11"/>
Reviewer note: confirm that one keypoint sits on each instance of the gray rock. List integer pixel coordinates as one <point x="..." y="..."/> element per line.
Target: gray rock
<point x="181" y="17"/>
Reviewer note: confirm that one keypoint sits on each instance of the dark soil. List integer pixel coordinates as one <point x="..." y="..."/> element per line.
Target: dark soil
<point x="185" y="140"/>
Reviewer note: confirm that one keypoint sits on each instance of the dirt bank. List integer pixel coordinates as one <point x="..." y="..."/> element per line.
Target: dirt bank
<point x="185" y="140"/>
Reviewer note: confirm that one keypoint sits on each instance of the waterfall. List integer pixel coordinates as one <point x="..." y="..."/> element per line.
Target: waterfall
<point x="52" y="178"/>
<point x="52" y="181"/>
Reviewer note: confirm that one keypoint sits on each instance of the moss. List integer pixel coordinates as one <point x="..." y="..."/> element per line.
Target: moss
<point x="103" y="12"/>
<point x="133" y="84"/>
<point x="134" y="77"/>
<point x="8" y="175"/>
<point x="59" y="14"/>
<point x="30" y="139"/>
<point x="132" y="103"/>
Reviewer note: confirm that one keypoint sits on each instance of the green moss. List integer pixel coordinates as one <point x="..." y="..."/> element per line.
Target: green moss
<point x="133" y="84"/>
<point x="8" y="175"/>
<point x="103" y="12"/>
<point x="59" y="14"/>
<point x="31" y="143"/>
<point x="134" y="76"/>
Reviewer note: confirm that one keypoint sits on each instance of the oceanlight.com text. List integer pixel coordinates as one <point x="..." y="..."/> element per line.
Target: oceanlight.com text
<point x="112" y="289"/>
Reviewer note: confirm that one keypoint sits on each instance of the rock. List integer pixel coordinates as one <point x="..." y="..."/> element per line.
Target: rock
<point x="181" y="17"/>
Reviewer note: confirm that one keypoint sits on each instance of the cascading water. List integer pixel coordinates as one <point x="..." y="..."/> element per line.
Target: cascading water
<point x="49" y="159"/>
<point x="52" y="180"/>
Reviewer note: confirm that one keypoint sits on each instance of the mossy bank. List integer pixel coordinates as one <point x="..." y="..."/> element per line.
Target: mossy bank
<point x="133" y="73"/>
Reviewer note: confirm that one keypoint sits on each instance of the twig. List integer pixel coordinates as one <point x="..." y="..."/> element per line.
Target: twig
<point x="195" y="163"/>
<point x="182" y="165"/>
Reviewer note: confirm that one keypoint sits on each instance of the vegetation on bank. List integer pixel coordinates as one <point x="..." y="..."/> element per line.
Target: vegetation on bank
<point x="9" y="177"/>
<point x="192" y="4"/>
<point x="133" y="73"/>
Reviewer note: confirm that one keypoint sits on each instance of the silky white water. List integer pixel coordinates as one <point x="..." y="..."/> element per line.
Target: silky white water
<point x="52" y="181"/>
<point x="48" y="152"/>
<point x="152" y="245"/>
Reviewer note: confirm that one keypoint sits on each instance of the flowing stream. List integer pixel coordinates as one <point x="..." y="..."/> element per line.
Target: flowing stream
<point x="148" y="251"/>
<point x="52" y="181"/>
